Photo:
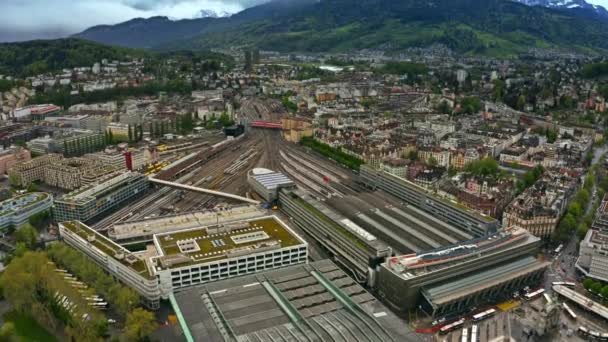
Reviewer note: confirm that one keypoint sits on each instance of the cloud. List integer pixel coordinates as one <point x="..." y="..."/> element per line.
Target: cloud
<point x="30" y="19"/>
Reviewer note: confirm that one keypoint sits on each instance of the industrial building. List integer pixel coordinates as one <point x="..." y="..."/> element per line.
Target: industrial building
<point x="307" y="302"/>
<point x="16" y="211"/>
<point x="461" y="217"/>
<point x="267" y="183"/>
<point x="352" y="245"/>
<point x="191" y="257"/>
<point x="593" y="251"/>
<point x="94" y="199"/>
<point x="449" y="280"/>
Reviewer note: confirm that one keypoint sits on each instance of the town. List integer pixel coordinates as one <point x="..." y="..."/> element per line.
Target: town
<point x="254" y="195"/>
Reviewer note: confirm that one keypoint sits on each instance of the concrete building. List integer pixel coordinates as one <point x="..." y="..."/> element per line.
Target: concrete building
<point x="94" y="199"/>
<point x="12" y="156"/>
<point x="24" y="173"/>
<point x="593" y="251"/>
<point x="397" y="167"/>
<point x="353" y="245"/>
<point x="449" y="280"/>
<point x="463" y="218"/>
<point x="73" y="142"/>
<point x="16" y="211"/>
<point x="307" y="302"/>
<point x="267" y="183"/>
<point x="191" y="257"/>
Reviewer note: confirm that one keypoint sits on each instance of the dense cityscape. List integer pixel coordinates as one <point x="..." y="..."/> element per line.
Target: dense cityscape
<point x="244" y="192"/>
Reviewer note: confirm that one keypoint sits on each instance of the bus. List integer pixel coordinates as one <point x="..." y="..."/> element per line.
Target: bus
<point x="559" y="248"/>
<point x="569" y="311"/>
<point x="451" y="327"/>
<point x="474" y="333"/>
<point x="564" y="283"/>
<point x="483" y="315"/>
<point x="534" y="294"/>
<point x="465" y="335"/>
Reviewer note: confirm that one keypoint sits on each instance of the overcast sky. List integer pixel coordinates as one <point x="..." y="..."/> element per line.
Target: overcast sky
<point x="30" y="19"/>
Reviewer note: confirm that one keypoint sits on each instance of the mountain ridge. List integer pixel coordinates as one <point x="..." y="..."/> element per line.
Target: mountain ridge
<point x="484" y="27"/>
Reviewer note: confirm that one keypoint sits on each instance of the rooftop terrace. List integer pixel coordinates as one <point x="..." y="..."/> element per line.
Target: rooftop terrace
<point x="108" y="247"/>
<point x="11" y="205"/>
<point x="213" y="243"/>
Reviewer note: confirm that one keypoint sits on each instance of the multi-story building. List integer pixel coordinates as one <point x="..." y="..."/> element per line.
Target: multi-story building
<point x="74" y="142"/>
<point x="461" y="217"/>
<point x="192" y="257"/>
<point x="593" y="252"/>
<point x="13" y="156"/>
<point x="94" y="199"/>
<point x="17" y="210"/>
<point x="397" y="167"/>
<point x="539" y="208"/>
<point x="23" y="174"/>
<point x="72" y="173"/>
<point x="451" y="279"/>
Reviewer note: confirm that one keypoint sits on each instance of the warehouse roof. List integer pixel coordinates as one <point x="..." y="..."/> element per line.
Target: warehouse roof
<point x="270" y="180"/>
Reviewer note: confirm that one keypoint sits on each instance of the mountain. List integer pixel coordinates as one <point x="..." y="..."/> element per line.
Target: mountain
<point x="41" y="56"/>
<point x="477" y="27"/>
<point x="157" y="31"/>
<point x="580" y="6"/>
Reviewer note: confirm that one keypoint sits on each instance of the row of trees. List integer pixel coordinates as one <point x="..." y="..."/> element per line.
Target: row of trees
<point x="575" y="218"/>
<point x="333" y="153"/>
<point x="596" y="287"/>
<point x="30" y="284"/>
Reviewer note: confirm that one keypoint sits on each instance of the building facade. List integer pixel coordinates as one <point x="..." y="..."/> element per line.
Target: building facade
<point x="16" y="211"/>
<point x="192" y="257"/>
<point x="95" y="199"/>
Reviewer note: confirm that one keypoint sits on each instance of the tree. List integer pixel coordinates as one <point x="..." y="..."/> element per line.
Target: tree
<point x="587" y="283"/>
<point x="8" y="332"/>
<point x="432" y="162"/>
<point x="521" y="102"/>
<point x="581" y="231"/>
<point x="604" y="291"/>
<point x="27" y="234"/>
<point x="124" y="299"/>
<point x="412" y="155"/>
<point x="470" y="105"/>
<point x="32" y="188"/>
<point x="575" y="209"/>
<point x="141" y="132"/>
<point x="37" y="220"/>
<point x="596" y="287"/>
<point x="130" y="133"/>
<point x="140" y="324"/>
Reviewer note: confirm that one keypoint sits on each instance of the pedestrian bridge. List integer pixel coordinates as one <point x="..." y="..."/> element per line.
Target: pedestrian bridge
<point x="202" y="190"/>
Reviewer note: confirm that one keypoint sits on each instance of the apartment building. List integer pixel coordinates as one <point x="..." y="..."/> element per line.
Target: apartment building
<point x="16" y="211"/>
<point x="24" y="173"/>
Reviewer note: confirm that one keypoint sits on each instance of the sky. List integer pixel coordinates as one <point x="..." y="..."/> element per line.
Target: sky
<point x="31" y="19"/>
<point x="45" y="19"/>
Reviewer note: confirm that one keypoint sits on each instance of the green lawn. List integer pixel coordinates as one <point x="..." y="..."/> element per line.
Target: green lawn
<point x="28" y="329"/>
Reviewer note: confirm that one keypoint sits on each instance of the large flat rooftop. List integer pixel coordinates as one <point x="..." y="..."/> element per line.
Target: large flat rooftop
<point x="95" y="190"/>
<point x="309" y="302"/>
<point x="165" y="224"/>
<point x="413" y="265"/>
<point x="222" y="241"/>
<point x="108" y="247"/>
